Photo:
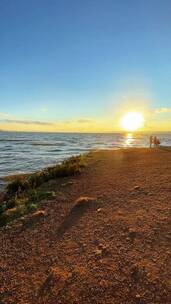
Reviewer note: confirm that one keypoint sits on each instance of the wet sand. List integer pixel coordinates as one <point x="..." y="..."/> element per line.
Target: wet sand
<point x="110" y="246"/>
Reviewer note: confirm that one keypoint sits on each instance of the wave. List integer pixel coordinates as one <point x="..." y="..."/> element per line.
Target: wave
<point x="13" y="140"/>
<point x="48" y="144"/>
<point x="42" y="144"/>
<point x="56" y="150"/>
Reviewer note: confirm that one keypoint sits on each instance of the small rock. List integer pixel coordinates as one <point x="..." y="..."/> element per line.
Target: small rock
<point x="33" y="218"/>
<point x="103" y="247"/>
<point x="120" y="212"/>
<point x="137" y="188"/>
<point x="39" y="213"/>
<point x="99" y="209"/>
<point x="86" y="201"/>
<point x="10" y="212"/>
<point x="98" y="252"/>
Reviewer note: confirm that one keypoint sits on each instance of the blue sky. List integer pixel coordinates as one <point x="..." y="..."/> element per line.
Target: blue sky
<point x="65" y="61"/>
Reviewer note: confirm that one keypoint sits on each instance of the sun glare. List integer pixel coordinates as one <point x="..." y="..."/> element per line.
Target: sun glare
<point x="132" y="121"/>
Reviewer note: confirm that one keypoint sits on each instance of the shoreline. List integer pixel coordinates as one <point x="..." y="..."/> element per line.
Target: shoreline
<point x="28" y="153"/>
<point x="8" y="178"/>
<point x="15" y="175"/>
<point x="4" y="180"/>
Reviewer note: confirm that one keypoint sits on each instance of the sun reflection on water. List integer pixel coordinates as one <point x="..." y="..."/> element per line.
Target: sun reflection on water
<point x="129" y="139"/>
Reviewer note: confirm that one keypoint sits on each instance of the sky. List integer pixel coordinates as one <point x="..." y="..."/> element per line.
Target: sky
<point x="79" y="66"/>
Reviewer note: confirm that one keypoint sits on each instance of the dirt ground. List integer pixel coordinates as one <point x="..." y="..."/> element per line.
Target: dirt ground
<point x="104" y="239"/>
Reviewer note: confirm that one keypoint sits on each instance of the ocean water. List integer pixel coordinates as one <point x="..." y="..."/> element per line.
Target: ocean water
<point x="29" y="152"/>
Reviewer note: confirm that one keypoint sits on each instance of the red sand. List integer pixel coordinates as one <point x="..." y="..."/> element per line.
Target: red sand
<point x="115" y="251"/>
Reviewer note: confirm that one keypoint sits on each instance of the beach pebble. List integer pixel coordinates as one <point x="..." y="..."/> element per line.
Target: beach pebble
<point x="98" y="252"/>
<point x="33" y="218"/>
<point x="102" y="247"/>
<point x="39" y="213"/>
<point x="120" y="212"/>
<point x="85" y="201"/>
<point x="138" y="296"/>
<point x="137" y="188"/>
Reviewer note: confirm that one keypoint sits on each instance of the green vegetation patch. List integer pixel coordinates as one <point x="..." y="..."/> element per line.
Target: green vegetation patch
<point x="22" y="194"/>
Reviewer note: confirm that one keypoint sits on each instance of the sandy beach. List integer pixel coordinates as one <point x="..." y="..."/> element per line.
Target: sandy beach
<point x="104" y="238"/>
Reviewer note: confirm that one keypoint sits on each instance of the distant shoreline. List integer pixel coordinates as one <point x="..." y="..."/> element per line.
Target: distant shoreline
<point x="77" y="132"/>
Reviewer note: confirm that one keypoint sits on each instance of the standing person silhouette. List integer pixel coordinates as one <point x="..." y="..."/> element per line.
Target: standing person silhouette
<point x="158" y="142"/>
<point x="151" y="141"/>
<point x="155" y="141"/>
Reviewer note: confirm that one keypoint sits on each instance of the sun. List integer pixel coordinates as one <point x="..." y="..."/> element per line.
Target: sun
<point x="132" y="121"/>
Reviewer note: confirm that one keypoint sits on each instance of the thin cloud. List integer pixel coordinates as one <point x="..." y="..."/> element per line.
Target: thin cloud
<point x="84" y="121"/>
<point x="4" y="114"/>
<point x="79" y="121"/>
<point x="162" y="110"/>
<point x="27" y="122"/>
<point x="67" y="122"/>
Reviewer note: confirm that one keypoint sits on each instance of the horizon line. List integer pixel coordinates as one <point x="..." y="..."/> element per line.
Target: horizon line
<point x="87" y="132"/>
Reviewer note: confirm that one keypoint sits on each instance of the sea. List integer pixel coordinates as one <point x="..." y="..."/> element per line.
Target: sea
<point x="22" y="152"/>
